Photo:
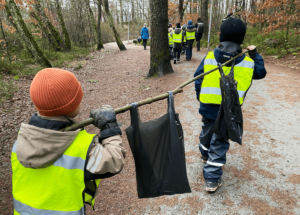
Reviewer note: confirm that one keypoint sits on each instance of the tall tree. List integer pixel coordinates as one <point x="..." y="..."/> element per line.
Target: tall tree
<point x="12" y="22"/>
<point x="68" y="45"/>
<point x="132" y="10"/>
<point x="52" y="42"/>
<point x="94" y="26"/>
<point x="100" y="43"/>
<point x="205" y="18"/>
<point x="112" y="26"/>
<point x="36" y="51"/>
<point x="53" y="30"/>
<point x="159" y="53"/>
<point x="121" y="12"/>
<point x="180" y="10"/>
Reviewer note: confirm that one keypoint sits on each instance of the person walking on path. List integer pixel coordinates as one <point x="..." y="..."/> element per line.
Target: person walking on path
<point x="145" y="35"/>
<point x="178" y="38"/>
<point x="58" y="172"/>
<point x="200" y="30"/>
<point x="190" y="38"/>
<point x="212" y="147"/>
<point x="171" y="42"/>
<point x="184" y="38"/>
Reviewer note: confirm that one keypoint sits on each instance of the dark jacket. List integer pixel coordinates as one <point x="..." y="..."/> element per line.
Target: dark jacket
<point x="196" y="26"/>
<point x="224" y="49"/>
<point x="177" y="45"/>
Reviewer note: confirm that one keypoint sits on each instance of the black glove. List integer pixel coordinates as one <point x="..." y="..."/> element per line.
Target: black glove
<point x="106" y="121"/>
<point x="104" y="115"/>
<point x="252" y="53"/>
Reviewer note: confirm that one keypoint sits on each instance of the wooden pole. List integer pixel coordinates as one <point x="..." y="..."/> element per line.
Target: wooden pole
<point x="150" y="100"/>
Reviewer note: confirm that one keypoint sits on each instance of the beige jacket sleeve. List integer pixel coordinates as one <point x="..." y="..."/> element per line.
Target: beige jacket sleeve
<point x="107" y="157"/>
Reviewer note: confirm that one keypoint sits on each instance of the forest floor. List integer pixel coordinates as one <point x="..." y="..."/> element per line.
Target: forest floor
<point x="260" y="177"/>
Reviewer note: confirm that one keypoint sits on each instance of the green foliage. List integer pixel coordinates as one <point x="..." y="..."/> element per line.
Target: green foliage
<point x="7" y="89"/>
<point x="92" y="81"/>
<point x="78" y="67"/>
<point x="295" y="54"/>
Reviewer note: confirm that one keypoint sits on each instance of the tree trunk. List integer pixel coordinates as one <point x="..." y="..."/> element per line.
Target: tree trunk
<point x="24" y="32"/>
<point x="68" y="45"/>
<point x="180" y="10"/>
<point x="50" y="26"/>
<point x="100" y="43"/>
<point x="5" y="40"/>
<point x="121" y="13"/>
<point x="20" y="37"/>
<point x="160" y="55"/>
<point x="132" y="10"/>
<point x="46" y="31"/>
<point x="93" y="23"/>
<point x="205" y="18"/>
<point x="112" y="26"/>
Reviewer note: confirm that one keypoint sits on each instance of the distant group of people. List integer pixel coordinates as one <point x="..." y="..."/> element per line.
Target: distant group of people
<point x="181" y="39"/>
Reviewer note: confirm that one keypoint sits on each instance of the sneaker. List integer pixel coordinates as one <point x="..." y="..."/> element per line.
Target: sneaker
<point x="178" y="60"/>
<point x="213" y="186"/>
<point x="145" y="48"/>
<point x="204" y="159"/>
<point x="174" y="61"/>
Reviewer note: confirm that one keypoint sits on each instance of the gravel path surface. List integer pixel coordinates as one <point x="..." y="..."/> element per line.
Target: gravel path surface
<point x="261" y="177"/>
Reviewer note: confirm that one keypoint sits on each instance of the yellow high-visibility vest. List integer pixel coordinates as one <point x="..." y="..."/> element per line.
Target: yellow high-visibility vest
<point x="184" y="40"/>
<point x="210" y="88"/>
<point x="57" y="189"/>
<point x="190" y="35"/>
<point x="177" y="38"/>
<point x="170" y="39"/>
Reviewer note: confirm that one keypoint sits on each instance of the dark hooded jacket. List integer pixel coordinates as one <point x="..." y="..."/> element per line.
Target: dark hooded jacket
<point x="178" y="45"/>
<point x="222" y="54"/>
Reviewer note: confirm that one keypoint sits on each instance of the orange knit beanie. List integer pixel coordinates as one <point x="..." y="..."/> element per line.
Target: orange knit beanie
<point x="55" y="92"/>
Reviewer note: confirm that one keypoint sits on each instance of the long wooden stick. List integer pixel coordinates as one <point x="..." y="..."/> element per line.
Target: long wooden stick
<point x="150" y="100"/>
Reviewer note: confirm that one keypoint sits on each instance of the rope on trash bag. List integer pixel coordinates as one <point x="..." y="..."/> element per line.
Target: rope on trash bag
<point x="179" y="89"/>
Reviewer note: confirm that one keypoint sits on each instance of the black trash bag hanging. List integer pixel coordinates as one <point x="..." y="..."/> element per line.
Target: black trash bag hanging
<point x="158" y="150"/>
<point x="229" y="122"/>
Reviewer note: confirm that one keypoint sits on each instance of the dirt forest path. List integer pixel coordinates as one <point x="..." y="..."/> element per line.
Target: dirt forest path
<point x="261" y="177"/>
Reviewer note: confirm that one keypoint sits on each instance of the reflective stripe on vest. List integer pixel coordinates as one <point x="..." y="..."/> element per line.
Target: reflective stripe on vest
<point x="210" y="88"/>
<point x="57" y="189"/>
<point x="177" y="38"/>
<point x="190" y="35"/>
<point x="170" y="39"/>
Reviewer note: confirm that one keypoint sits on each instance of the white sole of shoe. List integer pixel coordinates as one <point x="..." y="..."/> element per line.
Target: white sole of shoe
<point x="213" y="189"/>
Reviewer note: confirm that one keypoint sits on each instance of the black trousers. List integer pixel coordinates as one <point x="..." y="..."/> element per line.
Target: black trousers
<point x="176" y="53"/>
<point x="198" y="42"/>
<point x="145" y="42"/>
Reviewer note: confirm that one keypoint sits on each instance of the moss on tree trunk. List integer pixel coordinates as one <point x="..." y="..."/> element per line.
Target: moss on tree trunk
<point x="112" y="25"/>
<point x="68" y="45"/>
<point x="159" y="52"/>
<point x="24" y="32"/>
<point x="53" y="30"/>
<point x="92" y="20"/>
<point x="46" y="31"/>
<point x="11" y="20"/>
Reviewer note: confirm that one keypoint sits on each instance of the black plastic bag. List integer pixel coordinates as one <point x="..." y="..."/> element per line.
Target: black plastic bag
<point x="230" y="113"/>
<point x="158" y="150"/>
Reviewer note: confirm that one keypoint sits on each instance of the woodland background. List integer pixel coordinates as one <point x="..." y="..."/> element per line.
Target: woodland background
<point x="35" y="34"/>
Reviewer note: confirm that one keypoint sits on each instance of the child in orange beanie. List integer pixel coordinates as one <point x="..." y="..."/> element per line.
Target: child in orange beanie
<point x="57" y="172"/>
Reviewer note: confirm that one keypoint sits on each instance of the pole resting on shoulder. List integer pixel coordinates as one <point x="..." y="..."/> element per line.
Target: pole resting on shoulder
<point x="179" y="89"/>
